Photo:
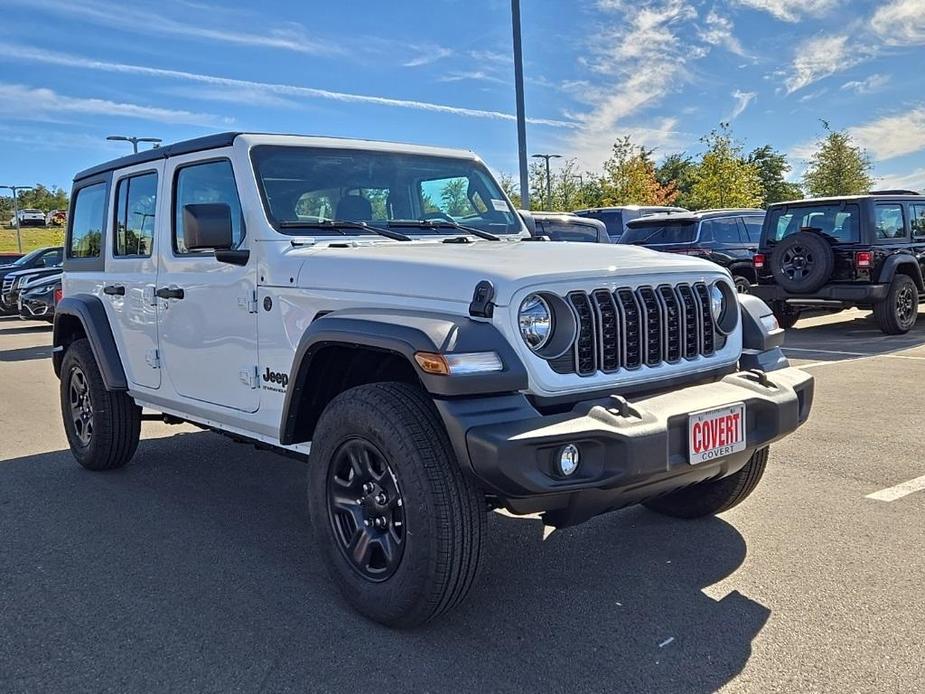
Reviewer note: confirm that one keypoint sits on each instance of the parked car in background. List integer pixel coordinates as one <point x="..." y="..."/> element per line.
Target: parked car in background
<point x="29" y="218"/>
<point x="38" y="298"/>
<point x="865" y="251"/>
<point x="728" y="237"/>
<point x="9" y="258"/>
<point x="39" y="258"/>
<point x="562" y="226"/>
<point x="616" y="218"/>
<point x="56" y="218"/>
<point x="14" y="282"/>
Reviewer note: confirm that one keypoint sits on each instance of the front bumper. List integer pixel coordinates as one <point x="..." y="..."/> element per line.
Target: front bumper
<point x="630" y="451"/>
<point x="846" y="293"/>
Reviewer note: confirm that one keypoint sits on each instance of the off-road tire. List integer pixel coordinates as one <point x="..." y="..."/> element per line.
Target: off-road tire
<point x="715" y="496"/>
<point x="786" y="315"/>
<point x="897" y="313"/>
<point x="444" y="512"/>
<point x="810" y="273"/>
<point x="116" y="419"/>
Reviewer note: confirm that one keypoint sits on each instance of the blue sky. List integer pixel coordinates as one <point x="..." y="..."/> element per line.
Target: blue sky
<point x="439" y="72"/>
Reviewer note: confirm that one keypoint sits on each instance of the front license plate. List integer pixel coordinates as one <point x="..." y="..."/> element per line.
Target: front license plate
<point x="716" y="433"/>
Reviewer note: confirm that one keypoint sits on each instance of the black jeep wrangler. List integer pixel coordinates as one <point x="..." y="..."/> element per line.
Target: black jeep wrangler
<point x="865" y="251"/>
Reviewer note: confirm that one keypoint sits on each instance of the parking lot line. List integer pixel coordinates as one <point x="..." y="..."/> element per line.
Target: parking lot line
<point x="899" y="491"/>
<point x="857" y="355"/>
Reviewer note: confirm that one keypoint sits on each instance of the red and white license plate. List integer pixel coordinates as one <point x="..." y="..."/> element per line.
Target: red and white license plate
<point x="716" y="433"/>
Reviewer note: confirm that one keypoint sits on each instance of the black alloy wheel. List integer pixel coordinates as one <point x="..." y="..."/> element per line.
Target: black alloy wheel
<point x="81" y="406"/>
<point x="366" y="509"/>
<point x="906" y="305"/>
<point x="802" y="263"/>
<point x="742" y="284"/>
<point x="797" y="262"/>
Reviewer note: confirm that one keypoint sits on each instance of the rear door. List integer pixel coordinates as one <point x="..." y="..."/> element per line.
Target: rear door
<point x="131" y="262"/>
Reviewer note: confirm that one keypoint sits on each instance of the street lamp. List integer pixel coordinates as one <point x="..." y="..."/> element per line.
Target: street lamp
<point x="521" y="115"/>
<point x="134" y="140"/>
<point x="547" y="157"/>
<point x="15" y="190"/>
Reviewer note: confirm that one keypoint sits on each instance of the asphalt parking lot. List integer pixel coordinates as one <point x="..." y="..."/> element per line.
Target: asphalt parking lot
<point x="192" y="569"/>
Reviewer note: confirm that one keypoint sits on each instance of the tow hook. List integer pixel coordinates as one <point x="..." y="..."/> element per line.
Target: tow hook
<point x="620" y="405"/>
<point x="760" y="377"/>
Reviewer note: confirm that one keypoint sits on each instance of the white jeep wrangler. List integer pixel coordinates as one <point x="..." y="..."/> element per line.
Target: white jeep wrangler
<point x="382" y="311"/>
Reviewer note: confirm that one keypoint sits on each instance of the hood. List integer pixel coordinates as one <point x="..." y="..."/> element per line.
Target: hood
<point x="36" y="271"/>
<point x="449" y="271"/>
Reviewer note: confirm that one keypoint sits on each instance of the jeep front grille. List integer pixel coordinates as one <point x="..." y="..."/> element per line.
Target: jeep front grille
<point x="627" y="328"/>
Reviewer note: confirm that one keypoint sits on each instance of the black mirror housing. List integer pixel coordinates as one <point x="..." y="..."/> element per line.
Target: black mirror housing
<point x="529" y="221"/>
<point x="207" y="226"/>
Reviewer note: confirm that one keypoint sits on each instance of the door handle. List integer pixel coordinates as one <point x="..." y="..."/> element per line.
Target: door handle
<point x="114" y="290"/>
<point x="169" y="293"/>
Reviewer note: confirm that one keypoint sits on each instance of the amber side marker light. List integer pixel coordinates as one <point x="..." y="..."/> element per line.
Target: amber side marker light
<point x="458" y="364"/>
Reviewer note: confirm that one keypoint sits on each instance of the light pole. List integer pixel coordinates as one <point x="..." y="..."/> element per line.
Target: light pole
<point x="521" y="115"/>
<point x="134" y="140"/>
<point x="15" y="190"/>
<point x="547" y="157"/>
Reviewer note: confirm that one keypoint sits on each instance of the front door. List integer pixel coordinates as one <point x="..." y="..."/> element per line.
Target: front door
<point x="207" y="310"/>
<point x="131" y="270"/>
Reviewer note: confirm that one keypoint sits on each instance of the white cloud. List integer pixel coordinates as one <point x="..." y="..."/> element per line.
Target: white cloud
<point x="427" y="55"/>
<point x="642" y="59"/>
<point x="819" y="57"/>
<point x="743" y="99"/>
<point x="291" y="36"/>
<point x="718" y="32"/>
<point x="913" y="180"/>
<point x="791" y="10"/>
<point x="867" y="85"/>
<point x="900" y="22"/>
<point x="892" y="136"/>
<point x="471" y="75"/>
<point x="34" y="55"/>
<point x="19" y="101"/>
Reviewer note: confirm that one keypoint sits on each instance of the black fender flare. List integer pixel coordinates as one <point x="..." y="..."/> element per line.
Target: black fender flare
<point x="404" y="333"/>
<point x="892" y="264"/>
<point x="91" y="313"/>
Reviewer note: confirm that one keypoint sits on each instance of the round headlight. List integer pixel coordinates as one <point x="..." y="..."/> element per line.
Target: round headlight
<point x="535" y="321"/>
<point x="717" y="302"/>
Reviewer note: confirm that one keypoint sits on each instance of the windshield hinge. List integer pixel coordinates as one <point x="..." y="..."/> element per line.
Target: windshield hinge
<point x="482" y="306"/>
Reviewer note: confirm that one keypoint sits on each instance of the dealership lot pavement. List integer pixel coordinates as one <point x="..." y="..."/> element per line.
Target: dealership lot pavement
<point x="192" y="570"/>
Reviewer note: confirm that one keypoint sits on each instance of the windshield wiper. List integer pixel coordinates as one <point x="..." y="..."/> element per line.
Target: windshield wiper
<point x="443" y="224"/>
<point x="341" y="224"/>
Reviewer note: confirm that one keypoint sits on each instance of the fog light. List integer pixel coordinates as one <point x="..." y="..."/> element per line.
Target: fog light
<point x="568" y="460"/>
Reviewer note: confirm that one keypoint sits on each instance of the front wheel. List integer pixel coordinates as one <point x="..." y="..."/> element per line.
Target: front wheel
<point x="897" y="313"/>
<point x="714" y="496"/>
<point x="399" y="523"/>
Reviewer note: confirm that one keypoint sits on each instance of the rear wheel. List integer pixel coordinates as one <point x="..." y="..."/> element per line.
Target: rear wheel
<point x="399" y="523"/>
<point x="786" y="315"/>
<point x="715" y="496"/>
<point x="897" y="313"/>
<point x="102" y="426"/>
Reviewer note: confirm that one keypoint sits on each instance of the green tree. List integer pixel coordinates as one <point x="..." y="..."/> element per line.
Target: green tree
<point x="511" y="188"/>
<point x="629" y="178"/>
<point x="772" y="170"/>
<point x="453" y="198"/>
<point x="838" y="166"/>
<point x="677" y="170"/>
<point x="723" y="177"/>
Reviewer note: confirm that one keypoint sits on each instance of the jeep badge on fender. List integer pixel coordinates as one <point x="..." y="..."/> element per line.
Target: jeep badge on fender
<point x="427" y="361"/>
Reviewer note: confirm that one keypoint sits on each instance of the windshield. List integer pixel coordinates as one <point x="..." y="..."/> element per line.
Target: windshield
<point x="307" y="184"/>
<point x="836" y="220"/>
<point x="559" y="230"/>
<point x="660" y="233"/>
<point x="613" y="220"/>
<point x="28" y="257"/>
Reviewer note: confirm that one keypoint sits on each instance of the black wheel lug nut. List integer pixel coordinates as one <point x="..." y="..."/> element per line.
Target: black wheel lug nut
<point x="381" y="498"/>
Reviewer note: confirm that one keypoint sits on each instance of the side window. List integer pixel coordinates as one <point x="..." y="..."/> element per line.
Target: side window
<point x="136" y="199"/>
<point x="720" y="230"/>
<point x="918" y="221"/>
<point x="753" y="228"/>
<point x="206" y="183"/>
<point x="889" y="221"/>
<point x="86" y="230"/>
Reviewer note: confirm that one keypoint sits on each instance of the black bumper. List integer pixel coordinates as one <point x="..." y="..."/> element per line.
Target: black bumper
<point x="630" y="451"/>
<point x="846" y="293"/>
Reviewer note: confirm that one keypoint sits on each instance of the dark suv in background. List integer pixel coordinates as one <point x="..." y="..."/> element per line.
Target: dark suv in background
<point x="865" y="251"/>
<point x="728" y="237"/>
<point x="616" y="218"/>
<point x="39" y="259"/>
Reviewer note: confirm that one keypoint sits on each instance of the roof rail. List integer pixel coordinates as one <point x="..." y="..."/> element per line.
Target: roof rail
<point x="898" y="191"/>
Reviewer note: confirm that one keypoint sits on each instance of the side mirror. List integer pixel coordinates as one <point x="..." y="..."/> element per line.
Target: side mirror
<point x="207" y="226"/>
<point x="529" y="220"/>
